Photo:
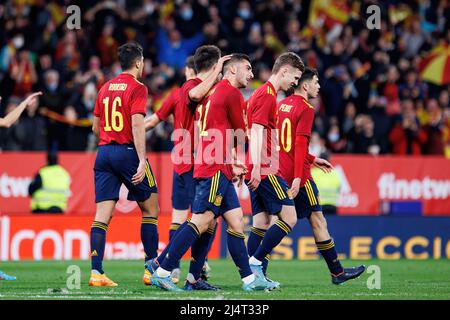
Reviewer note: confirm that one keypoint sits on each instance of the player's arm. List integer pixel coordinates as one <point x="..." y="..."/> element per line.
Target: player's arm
<point x="138" y="128"/>
<point x="236" y="118"/>
<point x="303" y="132"/>
<point x="163" y="113"/>
<point x="256" y="142"/>
<point x="198" y="92"/>
<point x="12" y="117"/>
<point x="151" y="122"/>
<point x="138" y="107"/>
<point x="323" y="164"/>
<point x="96" y="126"/>
<point x="262" y="109"/>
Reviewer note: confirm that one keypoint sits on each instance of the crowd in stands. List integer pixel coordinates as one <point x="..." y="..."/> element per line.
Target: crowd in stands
<point x="373" y="99"/>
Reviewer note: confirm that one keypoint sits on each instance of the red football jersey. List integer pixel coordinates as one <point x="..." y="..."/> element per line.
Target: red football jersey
<point x="220" y="110"/>
<point x="295" y="118"/>
<point x="262" y="109"/>
<point x="117" y="101"/>
<point x="169" y="107"/>
<point x="183" y="110"/>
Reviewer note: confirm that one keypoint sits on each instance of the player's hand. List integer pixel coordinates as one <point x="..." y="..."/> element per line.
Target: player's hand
<point x="323" y="165"/>
<point x="221" y="61"/>
<point x="239" y="172"/>
<point x="30" y="99"/>
<point x="295" y="188"/>
<point x="140" y="173"/>
<point x="255" y="179"/>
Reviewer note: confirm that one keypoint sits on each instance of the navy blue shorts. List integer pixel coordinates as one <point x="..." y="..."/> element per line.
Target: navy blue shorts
<point x="271" y="195"/>
<point x="116" y="164"/>
<point x="307" y="200"/>
<point x="183" y="190"/>
<point x="216" y="194"/>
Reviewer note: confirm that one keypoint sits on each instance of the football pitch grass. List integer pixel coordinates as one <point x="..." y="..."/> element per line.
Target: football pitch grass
<point x="301" y="280"/>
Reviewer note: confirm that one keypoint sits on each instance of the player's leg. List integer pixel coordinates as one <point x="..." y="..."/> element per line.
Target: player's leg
<point x="149" y="226"/>
<point x="221" y="199"/>
<point x="206" y="269"/>
<point x="107" y="186"/>
<point x="149" y="232"/>
<point x="203" y="213"/>
<point x="145" y="194"/>
<point x="103" y="215"/>
<point x="260" y="224"/>
<point x="199" y="251"/>
<point x="324" y="242"/>
<point x="238" y="252"/>
<point x="273" y="192"/>
<point x="182" y="196"/>
<point x="179" y="246"/>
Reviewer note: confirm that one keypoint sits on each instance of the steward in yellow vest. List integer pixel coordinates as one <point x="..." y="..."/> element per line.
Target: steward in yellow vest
<point x="50" y="188"/>
<point x="329" y="185"/>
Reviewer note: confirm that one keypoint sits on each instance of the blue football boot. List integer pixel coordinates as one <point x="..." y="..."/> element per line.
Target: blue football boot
<point x="200" y="284"/>
<point x="347" y="274"/>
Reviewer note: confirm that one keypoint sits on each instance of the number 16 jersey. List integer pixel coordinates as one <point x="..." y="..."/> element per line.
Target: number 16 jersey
<point x="119" y="99"/>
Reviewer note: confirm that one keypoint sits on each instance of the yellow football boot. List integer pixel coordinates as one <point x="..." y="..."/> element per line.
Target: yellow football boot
<point x="146" y="278"/>
<point x="101" y="280"/>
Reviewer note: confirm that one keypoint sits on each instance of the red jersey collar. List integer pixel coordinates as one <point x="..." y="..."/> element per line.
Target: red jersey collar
<point x="271" y="86"/>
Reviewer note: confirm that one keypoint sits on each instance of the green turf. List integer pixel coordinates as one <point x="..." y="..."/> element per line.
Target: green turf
<point x="401" y="279"/>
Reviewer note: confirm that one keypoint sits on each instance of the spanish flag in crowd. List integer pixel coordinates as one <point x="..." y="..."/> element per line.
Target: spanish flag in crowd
<point x="435" y="67"/>
<point x="331" y="12"/>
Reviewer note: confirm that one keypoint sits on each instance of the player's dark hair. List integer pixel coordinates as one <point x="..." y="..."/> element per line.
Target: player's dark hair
<point x="190" y="62"/>
<point x="235" y="57"/>
<point x="288" y="59"/>
<point x="307" y="75"/>
<point x="206" y="57"/>
<point x="128" y="54"/>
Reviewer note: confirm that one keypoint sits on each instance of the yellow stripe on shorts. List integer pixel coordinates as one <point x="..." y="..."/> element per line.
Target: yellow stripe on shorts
<point x="148" y="173"/>
<point x="309" y="188"/>
<point x="276" y="185"/>
<point x="214" y="187"/>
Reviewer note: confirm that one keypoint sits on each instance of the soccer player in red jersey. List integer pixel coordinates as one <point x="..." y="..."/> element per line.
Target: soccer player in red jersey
<point x="121" y="158"/>
<point x="268" y="190"/>
<point x="182" y="183"/>
<point x="208" y="61"/>
<point x="219" y="113"/>
<point x="295" y="121"/>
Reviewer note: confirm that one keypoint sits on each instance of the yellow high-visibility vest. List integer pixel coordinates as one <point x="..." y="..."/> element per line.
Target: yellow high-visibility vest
<point x="329" y="185"/>
<point x="55" y="189"/>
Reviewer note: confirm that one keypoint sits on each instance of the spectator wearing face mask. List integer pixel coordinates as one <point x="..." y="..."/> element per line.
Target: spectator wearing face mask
<point x="190" y="18"/>
<point x="316" y="145"/>
<point x="81" y="108"/>
<point x="335" y="143"/>
<point x="54" y="98"/>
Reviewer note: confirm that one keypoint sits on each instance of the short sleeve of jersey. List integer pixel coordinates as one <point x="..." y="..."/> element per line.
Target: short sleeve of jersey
<point x="185" y="101"/>
<point x="305" y="122"/>
<point x="262" y="109"/>
<point x="168" y="106"/>
<point x="138" y="100"/>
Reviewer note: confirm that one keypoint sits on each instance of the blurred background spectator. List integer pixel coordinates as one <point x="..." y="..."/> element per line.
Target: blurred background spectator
<point x="383" y="90"/>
